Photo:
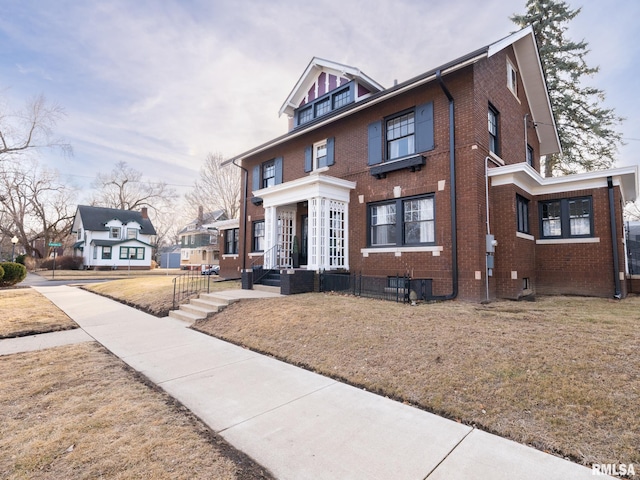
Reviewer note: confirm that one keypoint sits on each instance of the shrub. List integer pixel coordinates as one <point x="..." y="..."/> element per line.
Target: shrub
<point x="20" y="259"/>
<point x="66" y="262"/>
<point x="1" y="273"/>
<point x="13" y="273"/>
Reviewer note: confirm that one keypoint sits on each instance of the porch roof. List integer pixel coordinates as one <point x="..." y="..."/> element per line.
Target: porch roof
<point x="302" y="189"/>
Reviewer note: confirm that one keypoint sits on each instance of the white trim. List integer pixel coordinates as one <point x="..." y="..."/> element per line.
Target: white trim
<point x="526" y="236"/>
<point x="561" y="241"/>
<point x="230" y="255"/>
<point x="435" y="250"/>
<point x="255" y="254"/>
<point x="528" y="179"/>
<point x="304" y="188"/>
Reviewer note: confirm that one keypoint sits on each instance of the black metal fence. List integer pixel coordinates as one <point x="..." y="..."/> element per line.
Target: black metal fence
<point x="188" y="285"/>
<point x="395" y="289"/>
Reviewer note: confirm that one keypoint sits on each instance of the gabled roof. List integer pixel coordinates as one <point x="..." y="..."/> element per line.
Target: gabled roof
<point x="310" y="74"/>
<point x="96" y="218"/>
<point x="524" y="45"/>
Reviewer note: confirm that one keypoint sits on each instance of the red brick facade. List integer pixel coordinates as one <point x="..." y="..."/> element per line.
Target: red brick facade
<point x="576" y="268"/>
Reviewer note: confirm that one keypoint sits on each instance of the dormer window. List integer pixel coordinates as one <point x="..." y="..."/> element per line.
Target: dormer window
<point x="325" y="104"/>
<point x="114" y="233"/>
<point x="305" y="115"/>
<point x="323" y="107"/>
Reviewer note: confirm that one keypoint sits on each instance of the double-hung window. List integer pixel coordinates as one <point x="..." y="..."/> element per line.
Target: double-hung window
<point x="522" y="214"/>
<point x="401" y="136"/>
<point x="567" y="218"/>
<point x="419" y="224"/>
<point x="268" y="174"/>
<point x="409" y="221"/>
<point x="401" y="139"/>
<point x="106" y="253"/>
<point x="231" y="241"/>
<point x="492" y="121"/>
<point x="132" y="233"/>
<point x="258" y="236"/>
<point x="383" y="224"/>
<point x="114" y="233"/>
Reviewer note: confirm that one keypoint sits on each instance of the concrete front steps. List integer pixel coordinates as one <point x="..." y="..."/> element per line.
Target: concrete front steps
<point x="201" y="308"/>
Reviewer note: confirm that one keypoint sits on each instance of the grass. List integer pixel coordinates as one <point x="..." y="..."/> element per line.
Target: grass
<point x="561" y="374"/>
<point x="26" y="312"/>
<point x="79" y="412"/>
<point x="153" y="294"/>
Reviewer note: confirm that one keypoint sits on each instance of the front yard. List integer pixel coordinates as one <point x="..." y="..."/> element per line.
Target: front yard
<point x="561" y="374"/>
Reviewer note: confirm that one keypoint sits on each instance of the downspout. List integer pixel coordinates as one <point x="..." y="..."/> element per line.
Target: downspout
<point x="452" y="170"/>
<point x="614" y="240"/>
<point x="244" y="214"/>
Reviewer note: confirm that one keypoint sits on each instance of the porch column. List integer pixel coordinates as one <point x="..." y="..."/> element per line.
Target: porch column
<point x="270" y="237"/>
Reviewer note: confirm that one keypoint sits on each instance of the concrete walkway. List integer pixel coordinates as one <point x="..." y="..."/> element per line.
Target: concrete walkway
<point x="298" y="424"/>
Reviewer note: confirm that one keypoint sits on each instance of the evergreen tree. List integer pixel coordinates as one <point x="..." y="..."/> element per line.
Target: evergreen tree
<point x="586" y="128"/>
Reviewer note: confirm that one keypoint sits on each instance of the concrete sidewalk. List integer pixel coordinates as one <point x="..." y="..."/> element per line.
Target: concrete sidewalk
<point x="298" y="424"/>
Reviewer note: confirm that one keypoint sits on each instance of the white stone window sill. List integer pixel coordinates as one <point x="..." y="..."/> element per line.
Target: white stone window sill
<point x="526" y="236"/>
<point x="398" y="251"/>
<point x="233" y="256"/>
<point x="560" y="241"/>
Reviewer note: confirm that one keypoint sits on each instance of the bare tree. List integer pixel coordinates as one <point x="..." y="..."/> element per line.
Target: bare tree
<point x="218" y="187"/>
<point x="31" y="128"/>
<point x="34" y="205"/>
<point x="123" y="188"/>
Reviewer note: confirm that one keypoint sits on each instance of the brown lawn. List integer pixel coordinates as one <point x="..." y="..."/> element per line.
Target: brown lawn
<point x="78" y="412"/>
<point x="26" y="312"/>
<point x="561" y="374"/>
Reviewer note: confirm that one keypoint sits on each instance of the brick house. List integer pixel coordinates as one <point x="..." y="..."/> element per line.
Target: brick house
<point x="435" y="178"/>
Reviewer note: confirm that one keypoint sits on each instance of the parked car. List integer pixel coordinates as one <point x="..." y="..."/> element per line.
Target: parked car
<point x="213" y="270"/>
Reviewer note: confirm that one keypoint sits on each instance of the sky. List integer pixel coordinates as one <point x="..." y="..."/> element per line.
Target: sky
<point x="160" y="83"/>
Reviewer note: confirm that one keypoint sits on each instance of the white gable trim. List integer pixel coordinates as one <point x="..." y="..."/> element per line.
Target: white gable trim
<point x="309" y="76"/>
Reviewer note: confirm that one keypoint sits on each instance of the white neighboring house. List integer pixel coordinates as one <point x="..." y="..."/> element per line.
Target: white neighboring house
<point x="108" y="238"/>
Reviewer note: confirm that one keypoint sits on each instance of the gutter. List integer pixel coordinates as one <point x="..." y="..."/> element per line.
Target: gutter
<point x="614" y="240"/>
<point x="452" y="171"/>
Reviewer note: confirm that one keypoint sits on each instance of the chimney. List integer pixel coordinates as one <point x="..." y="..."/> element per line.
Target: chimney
<point x="144" y="212"/>
<point x="200" y="215"/>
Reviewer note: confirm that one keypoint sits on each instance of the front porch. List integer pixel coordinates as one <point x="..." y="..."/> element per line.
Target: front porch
<point x="306" y="225"/>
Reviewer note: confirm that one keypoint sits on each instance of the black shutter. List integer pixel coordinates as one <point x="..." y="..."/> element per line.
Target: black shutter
<point x="256" y="177"/>
<point x="308" y="158"/>
<point x="278" y="165"/>
<point x="330" y="155"/>
<point x="424" y="128"/>
<point x="375" y="143"/>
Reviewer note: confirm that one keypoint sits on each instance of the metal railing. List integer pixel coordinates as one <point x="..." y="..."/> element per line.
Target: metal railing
<point x="188" y="285"/>
<point x="279" y="261"/>
<point x="385" y="288"/>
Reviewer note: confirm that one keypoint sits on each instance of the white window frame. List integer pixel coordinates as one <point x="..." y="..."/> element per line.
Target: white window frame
<point x="512" y="78"/>
<point x="316" y="158"/>
<point x="114" y="233"/>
